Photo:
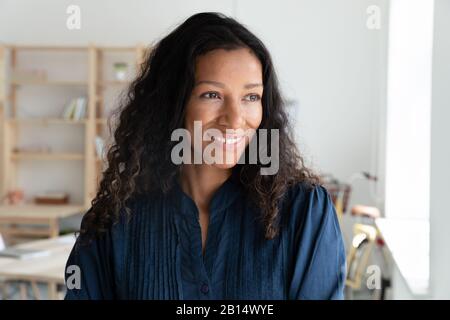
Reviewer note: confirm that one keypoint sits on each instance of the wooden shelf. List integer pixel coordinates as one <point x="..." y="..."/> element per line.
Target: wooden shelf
<point x="94" y="83"/>
<point x="69" y="83"/>
<point x="13" y="231"/>
<point x="72" y="48"/>
<point x="46" y="48"/>
<point x="114" y="83"/>
<point x="48" y="83"/>
<point x="45" y="121"/>
<point x="46" y="156"/>
<point x="118" y="49"/>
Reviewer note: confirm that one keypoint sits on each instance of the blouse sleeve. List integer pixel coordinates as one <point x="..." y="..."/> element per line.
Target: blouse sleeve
<point x="319" y="271"/>
<point x="91" y="263"/>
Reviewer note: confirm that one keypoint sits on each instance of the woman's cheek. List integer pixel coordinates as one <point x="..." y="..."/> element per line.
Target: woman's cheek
<point x="254" y="116"/>
<point x="199" y="111"/>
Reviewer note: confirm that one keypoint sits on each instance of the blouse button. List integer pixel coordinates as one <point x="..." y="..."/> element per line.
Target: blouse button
<point x="204" y="288"/>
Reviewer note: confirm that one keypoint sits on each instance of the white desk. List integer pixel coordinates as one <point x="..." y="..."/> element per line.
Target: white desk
<point x="49" y="269"/>
<point x="408" y="241"/>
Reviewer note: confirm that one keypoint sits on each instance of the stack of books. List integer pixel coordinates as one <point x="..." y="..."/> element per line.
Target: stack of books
<point x="75" y="109"/>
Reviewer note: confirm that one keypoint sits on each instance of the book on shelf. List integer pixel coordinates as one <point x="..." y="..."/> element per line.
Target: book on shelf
<point x="68" y="110"/>
<point x="75" y="109"/>
<point x="99" y="146"/>
<point x="21" y="253"/>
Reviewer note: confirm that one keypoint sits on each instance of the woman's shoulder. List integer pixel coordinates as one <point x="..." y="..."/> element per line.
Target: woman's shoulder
<point x="306" y="192"/>
<point x="305" y="200"/>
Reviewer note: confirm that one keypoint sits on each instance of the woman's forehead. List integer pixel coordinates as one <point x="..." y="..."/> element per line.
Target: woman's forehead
<point x="237" y="65"/>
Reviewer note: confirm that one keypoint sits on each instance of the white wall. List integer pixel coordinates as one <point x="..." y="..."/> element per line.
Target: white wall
<point x="327" y="59"/>
<point x="334" y="66"/>
<point x="440" y="155"/>
<point x="110" y="22"/>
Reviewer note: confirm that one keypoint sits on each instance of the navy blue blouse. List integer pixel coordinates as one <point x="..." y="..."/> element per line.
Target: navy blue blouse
<point x="158" y="253"/>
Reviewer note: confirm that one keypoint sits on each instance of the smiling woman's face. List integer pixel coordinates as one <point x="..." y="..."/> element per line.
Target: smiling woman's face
<point x="226" y="97"/>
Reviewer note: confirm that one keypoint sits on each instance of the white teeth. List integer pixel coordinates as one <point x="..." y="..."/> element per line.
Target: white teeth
<point x="227" y="141"/>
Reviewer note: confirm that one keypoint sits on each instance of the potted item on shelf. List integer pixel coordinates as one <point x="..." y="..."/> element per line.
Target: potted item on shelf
<point x="52" y="198"/>
<point x="120" y="70"/>
<point x="15" y="197"/>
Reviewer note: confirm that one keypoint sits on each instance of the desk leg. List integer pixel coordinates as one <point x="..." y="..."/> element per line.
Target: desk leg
<point x="53" y="228"/>
<point x="52" y="294"/>
<point x="36" y="291"/>
<point x="5" y="289"/>
<point x="23" y="291"/>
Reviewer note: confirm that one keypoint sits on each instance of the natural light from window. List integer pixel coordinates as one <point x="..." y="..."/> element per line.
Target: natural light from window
<point x="407" y="203"/>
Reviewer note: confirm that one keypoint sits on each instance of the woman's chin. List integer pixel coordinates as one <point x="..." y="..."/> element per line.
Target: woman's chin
<point x="224" y="165"/>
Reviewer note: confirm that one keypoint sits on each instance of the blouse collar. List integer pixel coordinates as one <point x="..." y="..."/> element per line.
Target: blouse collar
<point x="223" y="197"/>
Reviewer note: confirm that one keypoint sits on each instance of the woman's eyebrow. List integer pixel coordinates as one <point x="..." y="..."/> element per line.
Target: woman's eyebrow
<point x="252" y="85"/>
<point x="221" y="85"/>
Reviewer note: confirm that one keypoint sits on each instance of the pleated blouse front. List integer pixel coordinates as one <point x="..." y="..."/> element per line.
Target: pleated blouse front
<point x="157" y="254"/>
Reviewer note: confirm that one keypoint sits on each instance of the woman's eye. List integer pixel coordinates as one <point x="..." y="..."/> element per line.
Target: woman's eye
<point x="252" y="97"/>
<point x="210" y="95"/>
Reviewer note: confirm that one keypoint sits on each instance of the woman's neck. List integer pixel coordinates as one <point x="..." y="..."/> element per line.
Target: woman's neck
<point x="201" y="181"/>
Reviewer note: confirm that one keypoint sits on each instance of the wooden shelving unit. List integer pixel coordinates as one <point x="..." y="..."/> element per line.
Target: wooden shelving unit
<point x="44" y="121"/>
<point x="94" y="123"/>
<point x="49" y="83"/>
<point x="46" y="156"/>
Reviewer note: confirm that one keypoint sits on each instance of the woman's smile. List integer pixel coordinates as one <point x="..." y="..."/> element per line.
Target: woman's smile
<point x="229" y="141"/>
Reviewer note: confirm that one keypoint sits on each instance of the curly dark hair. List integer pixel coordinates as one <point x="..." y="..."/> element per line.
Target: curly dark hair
<point x="139" y="159"/>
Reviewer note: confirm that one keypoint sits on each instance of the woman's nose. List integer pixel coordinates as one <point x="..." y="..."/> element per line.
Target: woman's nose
<point x="234" y="114"/>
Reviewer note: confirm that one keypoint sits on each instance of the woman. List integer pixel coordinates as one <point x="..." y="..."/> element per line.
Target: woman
<point x="160" y="229"/>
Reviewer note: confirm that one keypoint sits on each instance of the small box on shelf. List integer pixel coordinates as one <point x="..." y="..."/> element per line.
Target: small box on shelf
<point x="52" y="198"/>
<point x="24" y="76"/>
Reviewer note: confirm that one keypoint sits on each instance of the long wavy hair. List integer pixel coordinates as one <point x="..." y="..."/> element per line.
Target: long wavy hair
<point x="138" y="159"/>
